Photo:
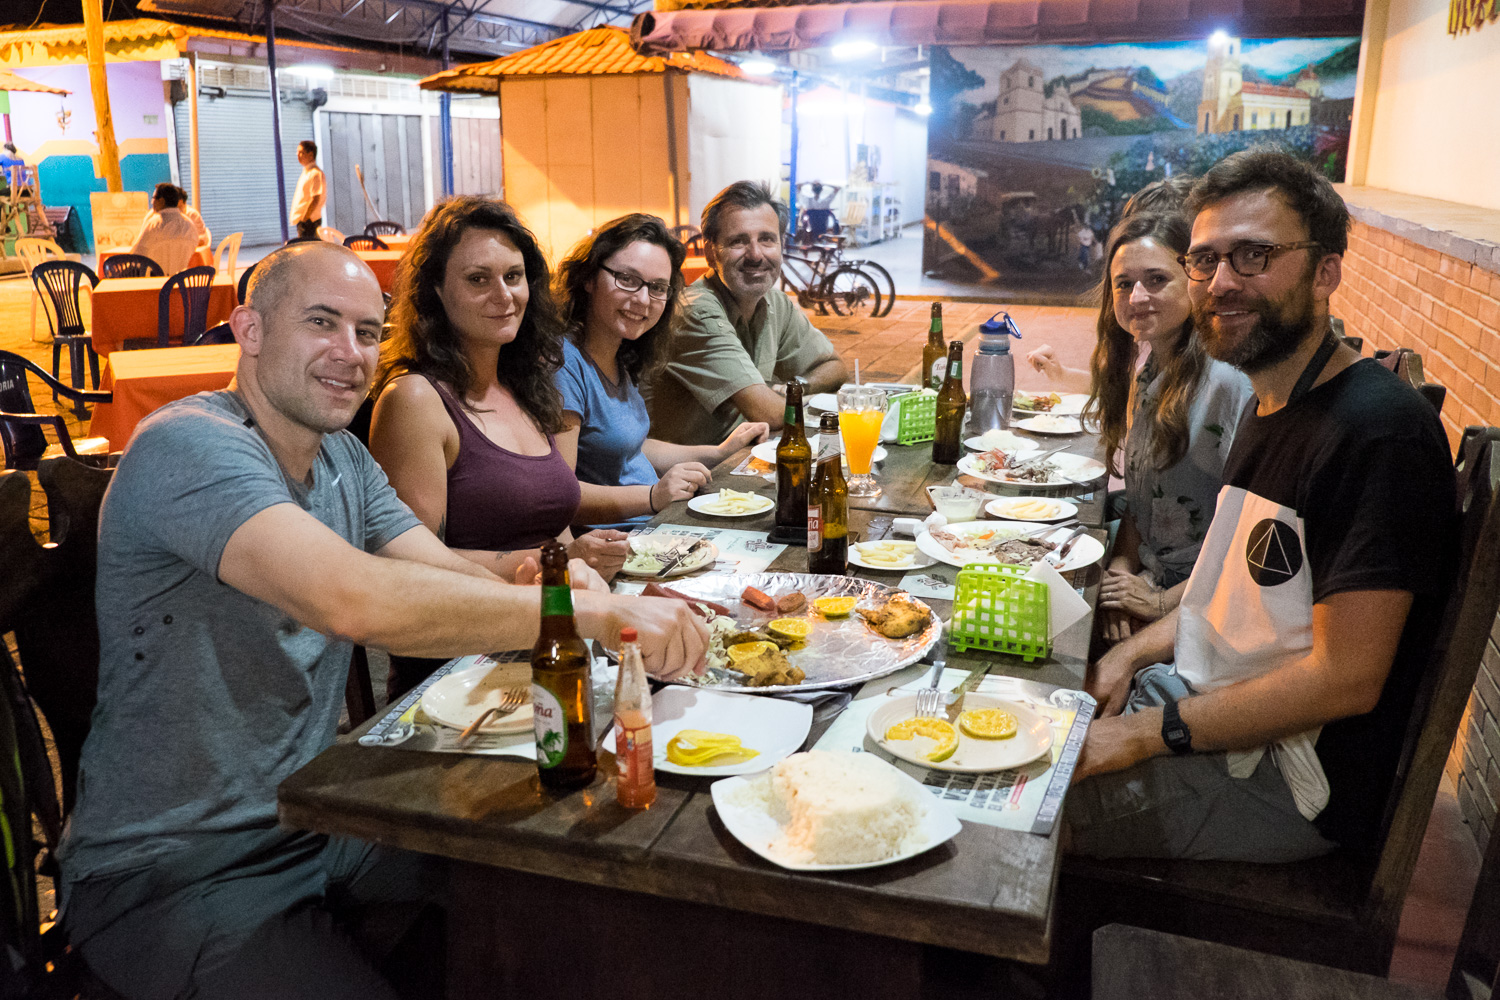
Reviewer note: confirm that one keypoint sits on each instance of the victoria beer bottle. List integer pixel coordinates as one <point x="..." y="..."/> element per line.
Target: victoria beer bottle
<point x="828" y="505"/>
<point x="635" y="782"/>
<point x="562" y="699"/>
<point x="934" y="354"/>
<point x="793" y="466"/>
<point x="948" y="444"/>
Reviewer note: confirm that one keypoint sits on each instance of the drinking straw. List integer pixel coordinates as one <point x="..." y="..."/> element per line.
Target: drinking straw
<point x="856" y="371"/>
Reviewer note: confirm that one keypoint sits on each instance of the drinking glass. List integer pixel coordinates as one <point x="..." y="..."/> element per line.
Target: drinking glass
<point x="861" y="412"/>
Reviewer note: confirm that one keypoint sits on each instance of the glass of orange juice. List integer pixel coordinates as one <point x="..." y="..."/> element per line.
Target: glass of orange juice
<point x="861" y="411"/>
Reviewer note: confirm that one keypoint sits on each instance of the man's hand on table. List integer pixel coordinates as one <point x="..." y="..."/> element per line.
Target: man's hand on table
<point x="673" y="640"/>
<point x="1119" y="742"/>
<point x="681" y="482"/>
<point x="605" y="550"/>
<point x="745" y="434"/>
<point x="1108" y="680"/>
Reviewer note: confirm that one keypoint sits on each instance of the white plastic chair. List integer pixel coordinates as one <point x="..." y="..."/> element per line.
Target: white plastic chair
<point x="330" y="234"/>
<point x="227" y="256"/>
<point x="33" y="250"/>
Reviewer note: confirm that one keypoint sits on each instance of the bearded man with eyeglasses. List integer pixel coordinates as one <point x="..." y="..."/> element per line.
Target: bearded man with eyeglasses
<point x="742" y="337"/>
<point x="1263" y="720"/>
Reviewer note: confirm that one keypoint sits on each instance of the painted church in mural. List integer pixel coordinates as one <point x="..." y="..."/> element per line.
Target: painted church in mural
<point x="1033" y="152"/>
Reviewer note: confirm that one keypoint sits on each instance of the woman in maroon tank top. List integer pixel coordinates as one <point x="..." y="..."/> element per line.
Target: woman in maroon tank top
<point x="466" y="403"/>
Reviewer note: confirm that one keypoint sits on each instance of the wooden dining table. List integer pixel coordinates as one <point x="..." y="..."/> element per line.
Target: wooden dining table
<point x="127" y="308"/>
<point x="565" y="895"/>
<point x="142" y="381"/>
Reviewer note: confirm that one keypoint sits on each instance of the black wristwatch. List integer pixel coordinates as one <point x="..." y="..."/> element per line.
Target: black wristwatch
<point x="1174" y="732"/>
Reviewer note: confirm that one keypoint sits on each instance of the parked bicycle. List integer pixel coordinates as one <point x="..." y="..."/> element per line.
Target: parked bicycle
<point x="821" y="278"/>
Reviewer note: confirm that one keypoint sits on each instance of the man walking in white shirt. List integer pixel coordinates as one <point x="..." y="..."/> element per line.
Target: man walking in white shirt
<point x="307" y="205"/>
<point x="168" y="237"/>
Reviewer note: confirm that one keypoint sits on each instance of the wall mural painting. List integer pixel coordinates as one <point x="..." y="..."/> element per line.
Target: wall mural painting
<point x="1033" y="151"/>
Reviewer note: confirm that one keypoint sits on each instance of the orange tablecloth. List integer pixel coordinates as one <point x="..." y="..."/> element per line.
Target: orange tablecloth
<point x="145" y="380"/>
<point x="383" y="263"/>
<point x="203" y="258"/>
<point x="694" y="268"/>
<point x="125" y="309"/>
<point x="397" y="242"/>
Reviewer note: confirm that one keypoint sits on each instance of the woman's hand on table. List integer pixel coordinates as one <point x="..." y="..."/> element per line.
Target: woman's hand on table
<point x="1044" y="360"/>
<point x="604" y="550"/>
<point x="681" y="482"/>
<point x="1132" y="594"/>
<point x="581" y="575"/>
<point x="1116" y="625"/>
<point x="742" y="436"/>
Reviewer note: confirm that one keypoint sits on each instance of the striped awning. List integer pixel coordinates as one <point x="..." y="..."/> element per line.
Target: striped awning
<point x="14" y="84"/>
<point x="746" y="27"/>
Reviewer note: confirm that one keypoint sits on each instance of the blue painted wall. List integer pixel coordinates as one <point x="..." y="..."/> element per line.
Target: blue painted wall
<point x="68" y="180"/>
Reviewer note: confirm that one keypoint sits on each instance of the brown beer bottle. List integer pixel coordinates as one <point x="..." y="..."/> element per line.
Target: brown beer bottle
<point x="936" y="351"/>
<point x="828" y="505"/>
<point x="562" y="699"/>
<point x="793" y="466"/>
<point x="951" y="402"/>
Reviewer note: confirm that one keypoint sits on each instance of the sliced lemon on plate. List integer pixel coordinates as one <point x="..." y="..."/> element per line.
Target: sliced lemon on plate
<point x="939" y="731"/>
<point x="987" y="723"/>
<point x="795" y="629"/>
<point x="748" y="650"/>
<point x="834" y="607"/>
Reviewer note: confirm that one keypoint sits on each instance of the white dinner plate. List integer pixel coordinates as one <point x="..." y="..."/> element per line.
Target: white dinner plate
<point x="1088" y="551"/>
<point x="774" y="726"/>
<point x="457" y="700"/>
<point x="766" y="450"/>
<point x="1071" y="406"/>
<point x="699" y="505"/>
<point x="756" y="828"/>
<point x="1005" y="509"/>
<point x="917" y="560"/>
<point x="1077" y="469"/>
<point x="1047" y="423"/>
<point x="1033" y="738"/>
<point x="1004" y="440"/>
<point x="823" y="402"/>
<point x="642" y="547"/>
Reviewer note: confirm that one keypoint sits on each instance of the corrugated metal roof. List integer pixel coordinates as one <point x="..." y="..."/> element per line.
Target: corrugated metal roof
<point x="596" y="52"/>
<point x="139" y="37"/>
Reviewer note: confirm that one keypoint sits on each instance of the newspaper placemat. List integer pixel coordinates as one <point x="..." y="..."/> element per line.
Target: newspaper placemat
<point x="405" y="725"/>
<point x="739" y="551"/>
<point x="753" y="466"/>
<point x="1027" y="798"/>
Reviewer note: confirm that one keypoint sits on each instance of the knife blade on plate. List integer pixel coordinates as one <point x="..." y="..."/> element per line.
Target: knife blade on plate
<point x="956" y="705"/>
<point x="676" y="559"/>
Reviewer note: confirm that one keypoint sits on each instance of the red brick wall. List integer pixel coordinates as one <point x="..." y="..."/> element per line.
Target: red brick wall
<point x="1397" y="293"/>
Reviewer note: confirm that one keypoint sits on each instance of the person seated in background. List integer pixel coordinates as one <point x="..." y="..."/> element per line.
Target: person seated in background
<point x="167" y="236"/>
<point x="618" y="294"/>
<point x="742" y="338"/>
<point x="1165" y="195"/>
<point x="8" y="158"/>
<point x="1174" y="418"/>
<point x="466" y="406"/>
<point x="185" y="206"/>
<point x="246" y="541"/>
<point x="1264" y="719"/>
<point x="817" y="213"/>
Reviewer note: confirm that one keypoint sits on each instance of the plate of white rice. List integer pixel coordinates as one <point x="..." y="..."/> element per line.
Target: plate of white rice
<point x="829" y="811"/>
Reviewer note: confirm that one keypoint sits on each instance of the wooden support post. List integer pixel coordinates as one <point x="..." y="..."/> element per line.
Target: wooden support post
<point x="192" y="81"/>
<point x="109" y="153"/>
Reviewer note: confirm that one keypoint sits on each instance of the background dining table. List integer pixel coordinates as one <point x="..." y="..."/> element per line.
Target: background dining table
<point x="144" y="380"/>
<point x="383" y="263"/>
<point x="570" y="894"/>
<point x="126" y="309"/>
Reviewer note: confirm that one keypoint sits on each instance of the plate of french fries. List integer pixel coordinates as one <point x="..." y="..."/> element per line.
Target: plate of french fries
<point x="730" y="503"/>
<point x="1031" y="509"/>
<point x="890" y="554"/>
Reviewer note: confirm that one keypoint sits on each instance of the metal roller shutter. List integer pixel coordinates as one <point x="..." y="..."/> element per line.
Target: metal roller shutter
<point x="235" y="163"/>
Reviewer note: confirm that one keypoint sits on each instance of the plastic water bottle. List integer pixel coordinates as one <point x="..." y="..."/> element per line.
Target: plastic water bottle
<point x="992" y="383"/>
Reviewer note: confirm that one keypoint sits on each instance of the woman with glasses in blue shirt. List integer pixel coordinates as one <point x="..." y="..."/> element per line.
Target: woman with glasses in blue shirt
<point x="618" y="294"/>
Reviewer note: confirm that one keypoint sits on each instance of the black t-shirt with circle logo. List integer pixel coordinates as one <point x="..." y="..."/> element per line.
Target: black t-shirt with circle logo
<point x="1364" y="463"/>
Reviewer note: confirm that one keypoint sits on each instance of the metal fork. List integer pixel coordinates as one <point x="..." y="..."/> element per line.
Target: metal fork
<point x="513" y="699"/>
<point x="929" y="698"/>
<point x="1057" y="555"/>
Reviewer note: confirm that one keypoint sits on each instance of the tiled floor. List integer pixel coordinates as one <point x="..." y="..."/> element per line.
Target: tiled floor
<point x="890" y="349"/>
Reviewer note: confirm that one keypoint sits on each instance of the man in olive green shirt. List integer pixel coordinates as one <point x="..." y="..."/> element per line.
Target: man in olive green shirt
<point x="742" y="338"/>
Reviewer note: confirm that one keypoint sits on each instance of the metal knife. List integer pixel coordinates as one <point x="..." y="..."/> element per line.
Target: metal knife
<point x="961" y="690"/>
<point x="671" y="562"/>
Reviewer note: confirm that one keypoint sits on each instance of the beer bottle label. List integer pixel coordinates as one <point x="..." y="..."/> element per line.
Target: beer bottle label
<point x="551" y="725"/>
<point x="557" y="601"/>
<point x="956" y="370"/>
<point x="814" y="527"/>
<point x="935" y="377"/>
<point x="790" y="416"/>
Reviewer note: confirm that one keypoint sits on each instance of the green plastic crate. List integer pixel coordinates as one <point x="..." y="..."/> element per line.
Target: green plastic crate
<point x="918" y="418"/>
<point x="996" y="608"/>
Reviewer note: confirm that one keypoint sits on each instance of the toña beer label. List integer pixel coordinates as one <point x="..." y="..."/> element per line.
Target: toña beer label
<point x="551" y="726"/>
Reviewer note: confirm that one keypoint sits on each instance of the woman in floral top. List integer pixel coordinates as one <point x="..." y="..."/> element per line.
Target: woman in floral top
<point x="1174" y="419"/>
